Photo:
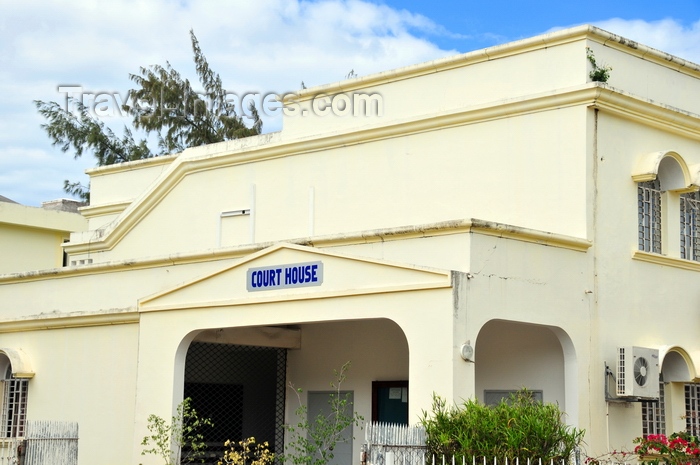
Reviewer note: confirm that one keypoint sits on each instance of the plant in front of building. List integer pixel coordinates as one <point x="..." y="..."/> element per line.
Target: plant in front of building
<point x="519" y="427"/>
<point x="599" y="73"/>
<point x="247" y="452"/>
<point x="313" y="440"/>
<point x="678" y="448"/>
<point x="179" y="441"/>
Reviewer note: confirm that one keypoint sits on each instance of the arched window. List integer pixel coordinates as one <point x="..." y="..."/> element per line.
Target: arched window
<point x="13" y="401"/>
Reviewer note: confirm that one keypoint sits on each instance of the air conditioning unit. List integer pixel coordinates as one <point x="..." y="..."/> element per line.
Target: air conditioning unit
<point x="638" y="372"/>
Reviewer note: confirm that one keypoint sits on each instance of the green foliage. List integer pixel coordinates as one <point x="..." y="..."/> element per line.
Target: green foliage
<point x="166" y="103"/>
<point x="599" y="73"/>
<point x="163" y="103"/>
<point x="77" y="189"/>
<point x="83" y="132"/>
<point x="312" y="441"/>
<point x="676" y="449"/>
<point x="179" y="441"/>
<point x="519" y="427"/>
<point x="247" y="452"/>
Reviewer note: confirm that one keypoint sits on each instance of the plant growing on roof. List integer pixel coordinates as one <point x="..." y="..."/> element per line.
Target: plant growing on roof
<point x="599" y="73"/>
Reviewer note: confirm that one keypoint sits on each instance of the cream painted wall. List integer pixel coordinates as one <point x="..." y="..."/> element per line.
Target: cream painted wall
<point x="86" y="375"/>
<point x="450" y="252"/>
<point x="472" y="173"/>
<point x="27" y="249"/>
<point x="31" y="237"/>
<point x="110" y="184"/>
<point x="111" y="291"/>
<point x="480" y="79"/>
<point x="644" y="77"/>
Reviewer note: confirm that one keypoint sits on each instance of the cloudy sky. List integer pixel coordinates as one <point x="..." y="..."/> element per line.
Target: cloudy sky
<point x="260" y="46"/>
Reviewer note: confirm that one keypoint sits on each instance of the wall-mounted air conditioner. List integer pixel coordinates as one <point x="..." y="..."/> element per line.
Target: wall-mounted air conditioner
<point x="638" y="372"/>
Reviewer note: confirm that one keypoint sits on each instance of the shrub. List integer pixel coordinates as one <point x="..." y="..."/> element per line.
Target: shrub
<point x="247" y="452"/>
<point x="519" y="427"/>
<point x="679" y="448"/>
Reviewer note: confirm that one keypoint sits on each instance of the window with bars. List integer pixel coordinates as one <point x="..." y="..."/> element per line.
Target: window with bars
<point x="654" y="415"/>
<point x="690" y="226"/>
<point x="14" y="407"/>
<point x="692" y="409"/>
<point x="649" y="213"/>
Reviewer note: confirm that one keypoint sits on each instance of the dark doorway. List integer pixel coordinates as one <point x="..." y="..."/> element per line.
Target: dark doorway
<point x="390" y="402"/>
<point x="241" y="389"/>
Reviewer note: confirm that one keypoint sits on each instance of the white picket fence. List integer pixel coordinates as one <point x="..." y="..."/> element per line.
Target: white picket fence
<point x="391" y="444"/>
<point x="51" y="442"/>
<point x="45" y="443"/>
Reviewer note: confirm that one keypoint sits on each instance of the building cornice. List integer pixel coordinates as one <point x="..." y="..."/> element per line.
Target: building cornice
<point x="39" y="323"/>
<point x="560" y="37"/>
<point x="104" y="209"/>
<point x="664" y="260"/>
<point x="459" y="226"/>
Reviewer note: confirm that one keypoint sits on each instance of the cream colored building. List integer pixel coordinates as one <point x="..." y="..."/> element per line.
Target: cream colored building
<point x="466" y="227"/>
<point x="31" y="238"/>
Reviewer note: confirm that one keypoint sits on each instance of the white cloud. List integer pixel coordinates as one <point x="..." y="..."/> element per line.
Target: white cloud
<point x="265" y="46"/>
<point x="668" y="35"/>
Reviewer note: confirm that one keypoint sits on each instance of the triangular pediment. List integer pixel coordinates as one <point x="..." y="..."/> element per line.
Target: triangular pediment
<point x="293" y="272"/>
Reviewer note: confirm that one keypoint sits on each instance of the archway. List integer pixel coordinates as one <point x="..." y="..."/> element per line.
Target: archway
<point x="513" y="355"/>
<point x="245" y="373"/>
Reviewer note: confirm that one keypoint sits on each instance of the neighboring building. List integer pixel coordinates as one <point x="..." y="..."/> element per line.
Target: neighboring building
<point x="497" y="221"/>
<point x="31" y="238"/>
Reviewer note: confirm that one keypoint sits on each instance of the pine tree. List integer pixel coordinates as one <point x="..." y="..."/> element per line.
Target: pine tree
<point x="163" y="103"/>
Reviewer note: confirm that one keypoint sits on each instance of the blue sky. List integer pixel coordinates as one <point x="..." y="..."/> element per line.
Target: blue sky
<point x="262" y="46"/>
<point x="485" y="23"/>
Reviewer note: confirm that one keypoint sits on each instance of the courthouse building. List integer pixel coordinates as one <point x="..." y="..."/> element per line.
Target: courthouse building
<point x="465" y="227"/>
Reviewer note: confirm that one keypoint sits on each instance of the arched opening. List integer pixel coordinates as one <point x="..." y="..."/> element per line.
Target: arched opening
<point x="678" y="405"/>
<point x="241" y="377"/>
<point x="513" y="355"/>
<point x="668" y="167"/>
<point x="13" y="395"/>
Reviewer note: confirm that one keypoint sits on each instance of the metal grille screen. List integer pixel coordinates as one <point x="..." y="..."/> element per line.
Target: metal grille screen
<point x="241" y="388"/>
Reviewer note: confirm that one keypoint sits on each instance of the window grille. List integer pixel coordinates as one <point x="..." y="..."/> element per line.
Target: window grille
<point x="654" y="414"/>
<point x="692" y="408"/>
<point x="241" y="389"/>
<point x="690" y="227"/>
<point x="649" y="213"/>
<point x="14" y="407"/>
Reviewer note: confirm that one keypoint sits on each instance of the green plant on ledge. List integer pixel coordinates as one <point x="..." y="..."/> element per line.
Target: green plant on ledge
<point x="599" y="73"/>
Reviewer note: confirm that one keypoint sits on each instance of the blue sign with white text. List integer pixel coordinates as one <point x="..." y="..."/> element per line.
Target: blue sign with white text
<point x="284" y="276"/>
